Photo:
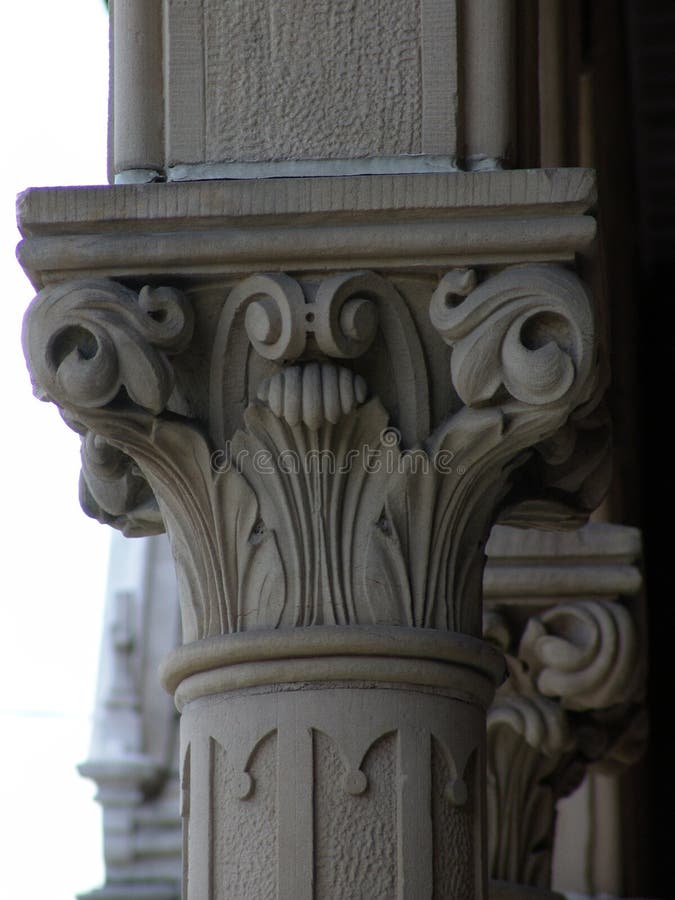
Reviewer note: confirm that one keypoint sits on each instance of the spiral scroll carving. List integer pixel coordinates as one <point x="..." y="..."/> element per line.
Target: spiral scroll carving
<point x="396" y="543"/>
<point x="274" y="314"/>
<point x="87" y="340"/>
<point x="585" y="653"/>
<point x="526" y="332"/>
<point x="573" y="698"/>
<point x="347" y="317"/>
<point x="280" y="318"/>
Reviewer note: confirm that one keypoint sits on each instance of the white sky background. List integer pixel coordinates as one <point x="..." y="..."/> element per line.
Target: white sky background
<point x="53" y="103"/>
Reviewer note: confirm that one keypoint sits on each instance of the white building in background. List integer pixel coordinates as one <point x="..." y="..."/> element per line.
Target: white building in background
<point x="134" y="750"/>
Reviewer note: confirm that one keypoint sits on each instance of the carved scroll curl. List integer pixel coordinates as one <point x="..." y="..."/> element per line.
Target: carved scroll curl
<point x="584" y="652"/>
<point x="279" y="318"/>
<point x="347" y="316"/>
<point x="284" y="320"/>
<point x="274" y="308"/>
<point x="573" y="698"/>
<point x="86" y="340"/>
<point x="114" y="491"/>
<point x="527" y="332"/>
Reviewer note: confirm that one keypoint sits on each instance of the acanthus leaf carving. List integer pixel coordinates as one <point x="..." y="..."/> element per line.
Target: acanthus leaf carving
<point x="317" y="491"/>
<point x="529" y="747"/>
<point x="114" y="491"/>
<point x="415" y="559"/>
<point x="523" y="340"/>
<point x="369" y="532"/>
<point x="229" y="571"/>
<point x="570" y="471"/>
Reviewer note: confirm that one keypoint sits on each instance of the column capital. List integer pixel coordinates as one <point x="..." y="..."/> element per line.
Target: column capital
<point x="424" y="403"/>
<point x="564" y="610"/>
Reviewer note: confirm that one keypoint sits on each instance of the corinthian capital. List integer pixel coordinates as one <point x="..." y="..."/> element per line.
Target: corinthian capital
<point x="562" y="609"/>
<point x="309" y="492"/>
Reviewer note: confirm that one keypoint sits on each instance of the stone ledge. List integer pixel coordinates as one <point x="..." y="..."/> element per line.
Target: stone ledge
<point x="228" y="227"/>
<point x="537" y="567"/>
<point x="43" y="211"/>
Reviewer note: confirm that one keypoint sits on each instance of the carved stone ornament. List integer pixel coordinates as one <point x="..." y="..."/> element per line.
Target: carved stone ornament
<point x="573" y="698"/>
<point x="326" y="483"/>
<point x="326" y="389"/>
<point x="328" y="452"/>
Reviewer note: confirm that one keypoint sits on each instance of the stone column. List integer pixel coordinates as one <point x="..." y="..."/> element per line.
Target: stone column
<point x="564" y="609"/>
<point x="326" y="389"/>
<point x="328" y="452"/>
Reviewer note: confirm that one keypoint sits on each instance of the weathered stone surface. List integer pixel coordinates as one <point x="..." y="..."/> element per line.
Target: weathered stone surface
<point x="523" y="359"/>
<point x="454" y="869"/>
<point x="327" y="390"/>
<point x="311" y="80"/>
<point x="525" y="571"/>
<point x="350" y="824"/>
<point x="363" y="800"/>
<point x="202" y="230"/>
<point x="562" y="607"/>
<point x="328" y="448"/>
<point x="245" y="830"/>
<point x="202" y="90"/>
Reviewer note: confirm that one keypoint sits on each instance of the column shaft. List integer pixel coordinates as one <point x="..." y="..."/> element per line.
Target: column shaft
<point x="370" y="790"/>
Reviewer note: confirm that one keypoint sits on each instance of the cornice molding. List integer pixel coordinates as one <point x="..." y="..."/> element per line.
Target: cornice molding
<point x="209" y="229"/>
